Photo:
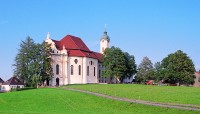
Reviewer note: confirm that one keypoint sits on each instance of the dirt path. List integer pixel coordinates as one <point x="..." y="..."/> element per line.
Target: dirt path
<point x="177" y="106"/>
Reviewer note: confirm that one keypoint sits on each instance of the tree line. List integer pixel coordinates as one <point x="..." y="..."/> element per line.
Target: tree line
<point x="33" y="62"/>
<point x="33" y="65"/>
<point x="176" y="68"/>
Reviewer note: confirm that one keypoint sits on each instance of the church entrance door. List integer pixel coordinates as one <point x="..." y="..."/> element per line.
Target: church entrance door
<point x="47" y="82"/>
<point x="57" y="81"/>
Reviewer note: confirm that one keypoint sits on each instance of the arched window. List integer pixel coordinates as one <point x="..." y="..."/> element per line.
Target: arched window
<point x="88" y="70"/>
<point x="79" y="70"/>
<point x="57" y="69"/>
<point x="94" y="71"/>
<point x="72" y="70"/>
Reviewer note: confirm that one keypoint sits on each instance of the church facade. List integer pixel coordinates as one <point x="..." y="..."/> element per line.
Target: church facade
<point x="74" y="63"/>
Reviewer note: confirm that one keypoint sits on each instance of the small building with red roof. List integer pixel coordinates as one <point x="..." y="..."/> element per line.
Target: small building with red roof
<point x="12" y="83"/>
<point x="73" y="62"/>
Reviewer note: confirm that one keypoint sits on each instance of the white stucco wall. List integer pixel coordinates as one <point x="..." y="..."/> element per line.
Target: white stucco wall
<point x="76" y="78"/>
<point x="93" y="76"/>
<point x="65" y="76"/>
<point x="103" y="45"/>
<point x="5" y="88"/>
<point x="60" y="58"/>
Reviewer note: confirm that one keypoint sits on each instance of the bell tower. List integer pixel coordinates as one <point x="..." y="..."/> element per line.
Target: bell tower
<point x="104" y="42"/>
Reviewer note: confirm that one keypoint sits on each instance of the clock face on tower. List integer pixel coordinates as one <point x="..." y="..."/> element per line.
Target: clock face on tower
<point x="102" y="40"/>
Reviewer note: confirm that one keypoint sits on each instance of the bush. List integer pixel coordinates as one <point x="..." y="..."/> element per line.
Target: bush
<point x="21" y="89"/>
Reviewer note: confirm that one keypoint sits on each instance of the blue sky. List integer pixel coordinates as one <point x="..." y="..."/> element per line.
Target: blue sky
<point x="153" y="28"/>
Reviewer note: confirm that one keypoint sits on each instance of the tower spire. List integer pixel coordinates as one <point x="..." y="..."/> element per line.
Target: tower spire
<point x="105" y="27"/>
<point x="104" y="42"/>
<point x="48" y="35"/>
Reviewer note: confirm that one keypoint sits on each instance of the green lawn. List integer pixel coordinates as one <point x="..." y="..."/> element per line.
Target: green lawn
<point x="57" y="101"/>
<point x="166" y="94"/>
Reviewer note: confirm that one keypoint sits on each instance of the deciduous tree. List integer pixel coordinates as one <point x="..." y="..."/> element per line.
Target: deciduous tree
<point x="131" y="67"/>
<point x="114" y="63"/>
<point x="178" y="68"/>
<point x="46" y="70"/>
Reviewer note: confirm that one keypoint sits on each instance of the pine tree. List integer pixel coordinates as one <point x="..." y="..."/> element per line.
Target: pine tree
<point x="24" y="59"/>
<point x="145" y="71"/>
<point x="33" y="63"/>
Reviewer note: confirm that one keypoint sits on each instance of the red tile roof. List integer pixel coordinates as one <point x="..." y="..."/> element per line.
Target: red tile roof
<point x="13" y="81"/>
<point x="76" y="47"/>
<point x="73" y="42"/>
<point x="1" y="81"/>
<point x="99" y="56"/>
<point x="57" y="43"/>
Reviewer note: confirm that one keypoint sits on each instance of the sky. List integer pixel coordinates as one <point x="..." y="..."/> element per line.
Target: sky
<point x="152" y="28"/>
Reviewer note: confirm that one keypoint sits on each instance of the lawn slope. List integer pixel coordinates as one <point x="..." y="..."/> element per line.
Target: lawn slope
<point x="62" y="101"/>
<point x="164" y="94"/>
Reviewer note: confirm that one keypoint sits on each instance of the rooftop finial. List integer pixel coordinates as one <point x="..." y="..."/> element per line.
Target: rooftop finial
<point x="63" y="47"/>
<point x="105" y="27"/>
<point x="48" y="35"/>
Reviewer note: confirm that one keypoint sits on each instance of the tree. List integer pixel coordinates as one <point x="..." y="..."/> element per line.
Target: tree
<point x="36" y="79"/>
<point x="23" y="60"/>
<point x="33" y="63"/>
<point x="145" y="71"/>
<point x="46" y="70"/>
<point x="131" y="67"/>
<point x="158" y="71"/>
<point x="178" y="68"/>
<point x="35" y="66"/>
<point x="114" y="63"/>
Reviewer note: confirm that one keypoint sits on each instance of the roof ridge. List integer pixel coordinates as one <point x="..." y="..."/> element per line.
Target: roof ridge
<point x="11" y="80"/>
<point x="74" y="41"/>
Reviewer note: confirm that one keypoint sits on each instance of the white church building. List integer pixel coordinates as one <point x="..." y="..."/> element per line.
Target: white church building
<point x="74" y="63"/>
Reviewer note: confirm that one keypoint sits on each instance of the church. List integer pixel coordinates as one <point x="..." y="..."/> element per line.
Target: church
<point x="74" y="63"/>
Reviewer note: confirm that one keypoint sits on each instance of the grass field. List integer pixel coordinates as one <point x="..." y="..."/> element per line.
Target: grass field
<point x="165" y="94"/>
<point x="48" y="100"/>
